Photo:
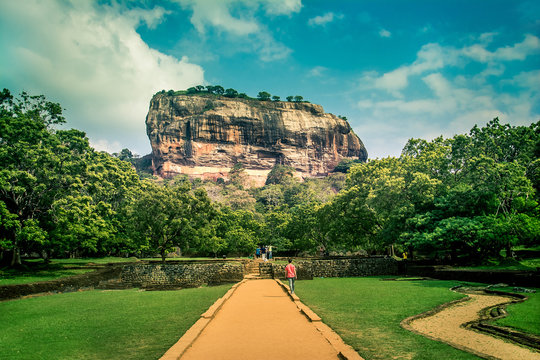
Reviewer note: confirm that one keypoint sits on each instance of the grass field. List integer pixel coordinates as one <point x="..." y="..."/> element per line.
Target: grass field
<point x="125" y="324"/>
<point x="523" y="316"/>
<point x="366" y="312"/>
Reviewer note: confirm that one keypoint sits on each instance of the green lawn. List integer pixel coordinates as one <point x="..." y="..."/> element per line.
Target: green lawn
<point x="523" y="316"/>
<point x="125" y="324"/>
<point x="366" y="312"/>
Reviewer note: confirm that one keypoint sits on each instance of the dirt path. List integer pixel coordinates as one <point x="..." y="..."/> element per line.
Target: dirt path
<point x="446" y="326"/>
<point x="260" y="322"/>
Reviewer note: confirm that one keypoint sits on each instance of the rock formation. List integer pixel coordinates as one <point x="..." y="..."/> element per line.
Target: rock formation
<point x="205" y="135"/>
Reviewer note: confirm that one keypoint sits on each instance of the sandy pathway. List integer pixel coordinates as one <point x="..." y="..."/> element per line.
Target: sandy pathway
<point x="446" y="326"/>
<point x="260" y="322"/>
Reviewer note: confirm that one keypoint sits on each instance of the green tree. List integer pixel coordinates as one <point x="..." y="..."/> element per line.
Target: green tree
<point x="163" y="218"/>
<point x="290" y="98"/>
<point x="264" y="96"/>
<point x="231" y="93"/>
<point x="275" y="98"/>
<point x="298" y="98"/>
<point x="280" y="174"/>
<point x="219" y="90"/>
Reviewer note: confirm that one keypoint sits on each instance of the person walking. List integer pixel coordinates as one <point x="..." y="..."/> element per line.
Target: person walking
<point x="290" y="271"/>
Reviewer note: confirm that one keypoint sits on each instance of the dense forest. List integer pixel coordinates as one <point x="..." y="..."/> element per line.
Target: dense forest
<point x="470" y="197"/>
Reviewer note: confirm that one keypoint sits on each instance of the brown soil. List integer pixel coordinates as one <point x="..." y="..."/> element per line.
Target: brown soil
<point x="260" y="322"/>
<point x="446" y="326"/>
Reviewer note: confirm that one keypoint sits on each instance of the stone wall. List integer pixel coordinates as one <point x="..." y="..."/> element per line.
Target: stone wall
<point x="372" y="266"/>
<point x="510" y="277"/>
<point x="181" y="274"/>
<point x="72" y="283"/>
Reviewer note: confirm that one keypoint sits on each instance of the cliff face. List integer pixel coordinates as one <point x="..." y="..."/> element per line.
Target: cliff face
<point x="204" y="136"/>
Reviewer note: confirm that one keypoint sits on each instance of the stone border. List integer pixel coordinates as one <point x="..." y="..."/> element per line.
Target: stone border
<point x="180" y="347"/>
<point x="476" y="325"/>
<point x="86" y="281"/>
<point x="484" y="323"/>
<point x="344" y="351"/>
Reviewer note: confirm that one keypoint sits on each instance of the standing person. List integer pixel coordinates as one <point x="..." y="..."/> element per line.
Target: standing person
<point x="257" y="253"/>
<point x="290" y="271"/>
<point x="263" y="253"/>
<point x="270" y="252"/>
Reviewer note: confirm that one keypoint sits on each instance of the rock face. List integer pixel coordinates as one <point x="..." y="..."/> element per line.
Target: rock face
<point x="205" y="135"/>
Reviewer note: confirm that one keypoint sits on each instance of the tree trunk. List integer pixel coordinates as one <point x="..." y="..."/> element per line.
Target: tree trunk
<point x="508" y="248"/>
<point x="16" y="257"/>
<point x="163" y="255"/>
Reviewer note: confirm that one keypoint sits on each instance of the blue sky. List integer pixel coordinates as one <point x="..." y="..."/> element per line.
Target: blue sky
<point x="396" y="69"/>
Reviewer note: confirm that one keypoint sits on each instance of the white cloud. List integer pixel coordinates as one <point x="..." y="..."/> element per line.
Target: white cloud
<point x="385" y="33"/>
<point x="217" y="14"/>
<point x="325" y="19"/>
<point x="317" y="71"/>
<point x="237" y="19"/>
<point x="282" y="7"/>
<point x="91" y="60"/>
<point x="434" y="96"/>
<point x="433" y="57"/>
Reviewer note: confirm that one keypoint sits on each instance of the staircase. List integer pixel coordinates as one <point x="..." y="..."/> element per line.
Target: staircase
<point x="251" y="270"/>
<point x="258" y="269"/>
<point x="113" y="284"/>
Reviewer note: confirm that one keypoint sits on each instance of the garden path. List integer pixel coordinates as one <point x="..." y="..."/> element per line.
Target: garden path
<point x="259" y="321"/>
<point x="445" y="326"/>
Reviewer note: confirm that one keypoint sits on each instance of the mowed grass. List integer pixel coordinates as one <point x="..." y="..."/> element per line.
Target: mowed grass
<point x="367" y="312"/>
<point x="523" y="316"/>
<point x="121" y="324"/>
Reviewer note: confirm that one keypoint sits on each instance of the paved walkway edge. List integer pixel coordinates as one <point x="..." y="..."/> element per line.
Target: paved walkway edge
<point x="345" y="352"/>
<point x="177" y="350"/>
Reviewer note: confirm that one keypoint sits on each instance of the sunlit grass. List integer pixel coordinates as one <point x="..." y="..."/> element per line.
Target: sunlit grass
<point x="125" y="324"/>
<point x="367" y="313"/>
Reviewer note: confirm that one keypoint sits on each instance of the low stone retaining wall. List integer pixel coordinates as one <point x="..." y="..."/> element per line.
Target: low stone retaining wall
<point x="510" y="277"/>
<point x="348" y="267"/>
<point x="181" y="274"/>
<point x="72" y="283"/>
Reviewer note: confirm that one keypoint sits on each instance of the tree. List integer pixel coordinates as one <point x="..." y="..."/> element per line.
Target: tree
<point x="124" y="155"/>
<point x="219" y="90"/>
<point x="279" y="174"/>
<point x="40" y="165"/>
<point x="290" y="98"/>
<point x="211" y="89"/>
<point x="275" y="98"/>
<point x="231" y="93"/>
<point x="298" y="98"/>
<point x="263" y="96"/>
<point x="191" y="90"/>
<point x="162" y="218"/>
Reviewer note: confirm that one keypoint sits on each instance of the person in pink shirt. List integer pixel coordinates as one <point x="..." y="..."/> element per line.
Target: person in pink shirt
<point x="290" y="271"/>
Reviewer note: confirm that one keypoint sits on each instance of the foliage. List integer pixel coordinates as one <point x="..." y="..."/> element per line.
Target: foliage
<point x="263" y="96"/>
<point x="279" y="174"/>
<point x="472" y="196"/>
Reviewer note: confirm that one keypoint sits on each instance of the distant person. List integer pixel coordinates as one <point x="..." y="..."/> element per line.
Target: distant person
<point x="404" y="255"/>
<point x="290" y="271"/>
<point x="263" y="252"/>
<point x="257" y="253"/>
<point x="270" y="252"/>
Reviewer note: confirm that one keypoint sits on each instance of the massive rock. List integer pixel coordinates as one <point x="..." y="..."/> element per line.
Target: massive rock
<point x="205" y="135"/>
